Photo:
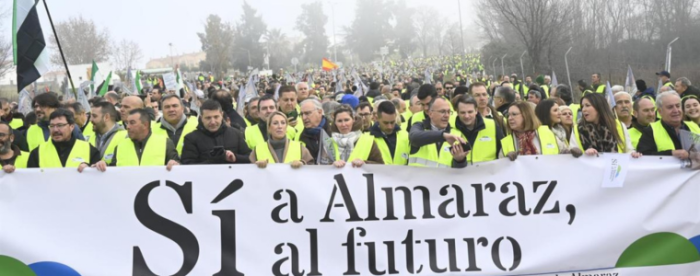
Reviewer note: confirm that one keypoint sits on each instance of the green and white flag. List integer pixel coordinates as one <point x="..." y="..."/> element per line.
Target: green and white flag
<point x="93" y="76"/>
<point x="137" y="82"/>
<point x="104" y="87"/>
<point x="180" y="82"/>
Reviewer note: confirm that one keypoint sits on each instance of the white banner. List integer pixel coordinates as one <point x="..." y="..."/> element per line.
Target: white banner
<point x="533" y="216"/>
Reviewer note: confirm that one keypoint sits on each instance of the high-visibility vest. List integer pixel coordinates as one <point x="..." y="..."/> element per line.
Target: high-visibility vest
<point x="201" y="78"/>
<point x="403" y="149"/>
<point x="21" y="160"/>
<point x="526" y="89"/>
<point x="262" y="152"/>
<point x="428" y="156"/>
<point x="417" y="117"/>
<point x="247" y="122"/>
<point x="362" y="148"/>
<point x="600" y="88"/>
<point x="88" y="131"/>
<point x="575" y="108"/>
<point x="153" y="152"/>
<point x="48" y="156"/>
<point x="35" y="137"/>
<point x="485" y="145"/>
<point x="635" y="135"/>
<point x="190" y="126"/>
<point x="663" y="140"/>
<point x="620" y="146"/>
<point x="546" y="90"/>
<point x="548" y="142"/>
<point x="117" y="138"/>
<point x="670" y="84"/>
<point x="16" y="123"/>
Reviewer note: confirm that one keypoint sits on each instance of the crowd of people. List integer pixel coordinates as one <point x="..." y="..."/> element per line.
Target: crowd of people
<point x="442" y="118"/>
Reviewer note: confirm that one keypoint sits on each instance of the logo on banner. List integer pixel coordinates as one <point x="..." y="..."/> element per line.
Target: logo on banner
<point x="14" y="267"/>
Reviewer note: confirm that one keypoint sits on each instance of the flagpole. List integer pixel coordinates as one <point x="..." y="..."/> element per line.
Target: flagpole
<point x="60" y="50"/>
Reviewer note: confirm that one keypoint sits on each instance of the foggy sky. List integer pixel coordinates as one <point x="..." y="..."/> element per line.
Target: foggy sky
<point x="153" y="24"/>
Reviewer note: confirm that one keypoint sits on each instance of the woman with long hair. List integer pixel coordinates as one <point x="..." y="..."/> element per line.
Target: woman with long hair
<point x="598" y="131"/>
<point x="279" y="148"/>
<point x="691" y="109"/>
<point x="567" y="120"/>
<point x="527" y="136"/>
<point x="547" y="112"/>
<point x="348" y="144"/>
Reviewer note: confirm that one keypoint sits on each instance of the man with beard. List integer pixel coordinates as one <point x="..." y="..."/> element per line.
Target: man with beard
<point x="623" y="108"/>
<point x="644" y="115"/>
<point x="81" y="119"/>
<point x="214" y="142"/>
<point x="251" y="109"/>
<point x="233" y="119"/>
<point x="63" y="150"/>
<point x="45" y="104"/>
<point x="6" y="116"/>
<point x="10" y="155"/>
<point x="143" y="148"/>
<point x="108" y="134"/>
<point x="174" y="124"/>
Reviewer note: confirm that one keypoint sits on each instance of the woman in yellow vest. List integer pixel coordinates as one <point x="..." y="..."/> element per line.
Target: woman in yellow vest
<point x="527" y="136"/>
<point x="279" y="148"/>
<point x="348" y="144"/>
<point x="691" y="109"/>
<point x="547" y="112"/>
<point x="598" y="131"/>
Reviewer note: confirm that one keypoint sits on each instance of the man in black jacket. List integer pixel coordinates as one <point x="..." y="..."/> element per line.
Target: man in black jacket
<point x="226" y="102"/>
<point x="213" y="142"/>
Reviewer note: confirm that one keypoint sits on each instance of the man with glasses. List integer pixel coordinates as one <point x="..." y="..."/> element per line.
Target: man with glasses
<point x="432" y="143"/>
<point x="44" y="105"/>
<point x="10" y="155"/>
<point x="449" y="89"/>
<point x="63" y="150"/>
<point x="364" y="110"/>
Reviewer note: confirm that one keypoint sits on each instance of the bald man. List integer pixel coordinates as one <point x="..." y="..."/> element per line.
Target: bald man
<point x="130" y="103"/>
<point x="112" y="97"/>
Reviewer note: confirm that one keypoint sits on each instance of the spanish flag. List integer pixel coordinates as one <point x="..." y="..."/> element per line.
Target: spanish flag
<point x="328" y="65"/>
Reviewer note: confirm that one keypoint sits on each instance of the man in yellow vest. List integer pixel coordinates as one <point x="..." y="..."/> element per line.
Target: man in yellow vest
<point x="644" y="115"/>
<point x="11" y="157"/>
<point x="63" y="150"/>
<point x="426" y="94"/>
<point x="44" y="105"/>
<point x="129" y="103"/>
<point x="663" y="137"/>
<point x="665" y="78"/>
<point x="174" y="124"/>
<point x="391" y="140"/>
<point x="81" y="119"/>
<point x="623" y="108"/>
<point x="108" y="134"/>
<point x="143" y="148"/>
<point x="482" y="134"/>
<point x="288" y="105"/>
<point x="258" y="134"/>
<point x="214" y="142"/>
<point x="598" y="85"/>
<point x="6" y="114"/>
<point x="432" y="143"/>
<point x="251" y="112"/>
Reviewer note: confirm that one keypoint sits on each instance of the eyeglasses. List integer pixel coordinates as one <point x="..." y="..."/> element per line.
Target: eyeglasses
<point x="58" y="126"/>
<point x="444" y="112"/>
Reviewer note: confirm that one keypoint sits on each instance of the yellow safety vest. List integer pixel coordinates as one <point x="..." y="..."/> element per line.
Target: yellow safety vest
<point x="262" y="152"/>
<point x="525" y="88"/>
<point x="35" y="137"/>
<point x="16" y="123"/>
<point x="417" y="117"/>
<point x="574" y="112"/>
<point x="48" y="156"/>
<point x="254" y="137"/>
<point x="548" y="142"/>
<point x="21" y="160"/>
<point x="363" y="146"/>
<point x="117" y="138"/>
<point x="247" y="122"/>
<point x="663" y="140"/>
<point x="620" y="146"/>
<point x="600" y="88"/>
<point x="153" y="152"/>
<point x="546" y="90"/>
<point x="190" y="126"/>
<point x="403" y="149"/>
<point x="88" y="132"/>
<point x="484" y="147"/>
<point x="428" y="156"/>
<point x="635" y="135"/>
<point x="670" y="84"/>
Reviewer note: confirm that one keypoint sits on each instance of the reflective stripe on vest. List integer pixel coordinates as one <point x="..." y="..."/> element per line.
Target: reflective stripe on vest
<point x="21" y="160"/>
<point x="153" y="153"/>
<point x="548" y="142"/>
<point x="48" y="156"/>
<point x="403" y="148"/>
<point x="35" y="137"/>
<point x="293" y="152"/>
<point x="620" y="146"/>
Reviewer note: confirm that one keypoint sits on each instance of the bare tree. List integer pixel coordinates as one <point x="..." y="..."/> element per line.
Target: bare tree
<point x="81" y="42"/>
<point x="424" y="22"/>
<point x="5" y="48"/>
<point x="126" y="54"/>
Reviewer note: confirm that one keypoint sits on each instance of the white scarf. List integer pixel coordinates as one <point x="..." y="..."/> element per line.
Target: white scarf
<point x="346" y="143"/>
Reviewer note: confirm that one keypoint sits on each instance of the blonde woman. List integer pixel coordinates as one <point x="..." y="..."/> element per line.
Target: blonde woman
<point x="279" y="148"/>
